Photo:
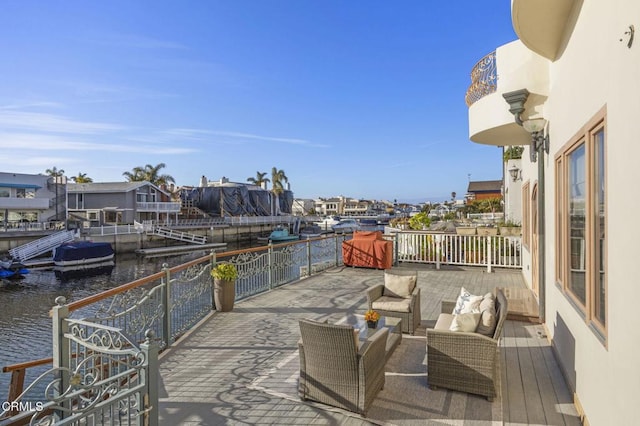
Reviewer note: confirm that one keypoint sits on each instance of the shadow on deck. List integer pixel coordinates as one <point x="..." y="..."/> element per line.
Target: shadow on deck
<point x="241" y="367"/>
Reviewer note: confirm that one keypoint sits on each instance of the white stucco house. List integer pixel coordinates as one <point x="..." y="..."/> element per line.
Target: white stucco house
<point x="569" y="91"/>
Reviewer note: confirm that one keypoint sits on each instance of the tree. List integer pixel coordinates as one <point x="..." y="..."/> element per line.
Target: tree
<point x="81" y="178"/>
<point x="150" y="174"/>
<point x="54" y="172"/>
<point x="259" y="179"/>
<point x="278" y="179"/>
<point x="513" y="153"/>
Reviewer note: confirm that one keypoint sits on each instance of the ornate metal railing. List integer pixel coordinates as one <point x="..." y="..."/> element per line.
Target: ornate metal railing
<point x="484" y="79"/>
<point x="98" y="377"/>
<point x="168" y="303"/>
<point x="165" y="305"/>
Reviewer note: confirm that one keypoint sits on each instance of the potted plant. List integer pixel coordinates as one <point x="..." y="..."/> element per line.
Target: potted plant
<point x="487" y="230"/>
<point x="510" y="229"/>
<point x="224" y="286"/>
<point x="371" y="317"/>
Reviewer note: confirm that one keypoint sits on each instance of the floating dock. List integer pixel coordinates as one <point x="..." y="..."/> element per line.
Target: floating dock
<point x="179" y="249"/>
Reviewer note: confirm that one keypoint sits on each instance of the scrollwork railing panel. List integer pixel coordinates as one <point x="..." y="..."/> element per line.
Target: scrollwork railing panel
<point x="484" y="79"/>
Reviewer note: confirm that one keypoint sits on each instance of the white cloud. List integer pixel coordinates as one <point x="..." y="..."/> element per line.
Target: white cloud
<point x="41" y="142"/>
<point x="36" y="121"/>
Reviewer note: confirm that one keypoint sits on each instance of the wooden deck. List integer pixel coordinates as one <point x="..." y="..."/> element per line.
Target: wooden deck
<point x="241" y="367"/>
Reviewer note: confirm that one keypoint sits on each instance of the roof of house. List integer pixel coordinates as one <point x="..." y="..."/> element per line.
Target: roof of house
<point x="485" y="186"/>
<point x="109" y="187"/>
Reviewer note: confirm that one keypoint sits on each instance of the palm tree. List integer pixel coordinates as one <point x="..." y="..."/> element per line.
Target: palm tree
<point x="259" y="179"/>
<point x="150" y="174"/>
<point x="56" y="174"/>
<point x="81" y="178"/>
<point x="278" y="179"/>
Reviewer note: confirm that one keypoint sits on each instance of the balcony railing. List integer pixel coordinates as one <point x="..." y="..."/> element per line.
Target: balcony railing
<point x="170" y="302"/>
<point x="165" y="207"/>
<point x="484" y="79"/>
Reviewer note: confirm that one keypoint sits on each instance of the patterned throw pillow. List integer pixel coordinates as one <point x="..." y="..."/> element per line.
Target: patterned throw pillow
<point x="467" y="303"/>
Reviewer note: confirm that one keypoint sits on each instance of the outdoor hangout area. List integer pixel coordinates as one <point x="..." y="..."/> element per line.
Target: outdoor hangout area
<point x="291" y="355"/>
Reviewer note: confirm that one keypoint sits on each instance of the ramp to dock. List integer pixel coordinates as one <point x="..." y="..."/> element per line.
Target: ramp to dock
<point x="41" y="246"/>
<point x="178" y="235"/>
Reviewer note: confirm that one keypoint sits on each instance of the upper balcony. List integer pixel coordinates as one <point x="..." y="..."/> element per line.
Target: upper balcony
<point x="542" y="25"/>
<point x="511" y="67"/>
<point x="162" y="207"/>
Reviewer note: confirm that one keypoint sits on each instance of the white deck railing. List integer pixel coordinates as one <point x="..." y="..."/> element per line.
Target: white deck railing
<point x="452" y="249"/>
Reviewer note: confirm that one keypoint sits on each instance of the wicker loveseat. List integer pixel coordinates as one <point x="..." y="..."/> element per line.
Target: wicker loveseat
<point x="398" y="297"/>
<point x="465" y="361"/>
<point x="336" y="370"/>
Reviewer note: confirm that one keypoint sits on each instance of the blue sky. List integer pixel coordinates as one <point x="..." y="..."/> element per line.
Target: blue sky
<point x="357" y="98"/>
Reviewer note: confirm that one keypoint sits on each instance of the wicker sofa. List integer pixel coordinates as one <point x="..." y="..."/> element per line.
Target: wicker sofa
<point x="391" y="301"/>
<point x="336" y="370"/>
<point x="465" y="361"/>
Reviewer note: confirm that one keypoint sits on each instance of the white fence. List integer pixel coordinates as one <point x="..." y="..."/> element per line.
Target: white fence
<point x="452" y="249"/>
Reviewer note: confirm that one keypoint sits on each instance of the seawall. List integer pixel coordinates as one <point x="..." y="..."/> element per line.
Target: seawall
<point x="129" y="243"/>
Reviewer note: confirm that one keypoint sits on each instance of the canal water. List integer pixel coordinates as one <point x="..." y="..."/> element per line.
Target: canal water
<point x="25" y="325"/>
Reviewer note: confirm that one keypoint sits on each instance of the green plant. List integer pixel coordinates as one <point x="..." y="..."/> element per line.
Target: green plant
<point x="225" y="272"/>
<point x="509" y="224"/>
<point x="419" y="221"/>
<point x="513" y="153"/>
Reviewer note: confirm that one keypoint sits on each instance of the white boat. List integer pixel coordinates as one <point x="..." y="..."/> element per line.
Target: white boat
<point x="327" y="223"/>
<point x="346" y="226"/>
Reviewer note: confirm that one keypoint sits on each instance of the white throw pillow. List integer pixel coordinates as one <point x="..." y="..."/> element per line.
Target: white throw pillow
<point x="465" y="322"/>
<point x="466" y="303"/>
<point x="398" y="285"/>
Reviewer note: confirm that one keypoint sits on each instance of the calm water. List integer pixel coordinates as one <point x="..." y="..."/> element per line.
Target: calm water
<point x="25" y="325"/>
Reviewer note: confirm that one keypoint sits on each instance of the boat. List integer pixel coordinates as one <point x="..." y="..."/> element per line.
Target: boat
<point x="81" y="253"/>
<point x="346" y="226"/>
<point x="11" y="268"/>
<point x="327" y="223"/>
<point x="65" y="273"/>
<point x="310" y="231"/>
<point x="280" y="234"/>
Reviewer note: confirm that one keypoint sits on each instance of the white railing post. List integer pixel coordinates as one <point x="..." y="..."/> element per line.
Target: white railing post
<point x="61" y="351"/>
<point x="489" y="253"/>
<point x="438" y="250"/>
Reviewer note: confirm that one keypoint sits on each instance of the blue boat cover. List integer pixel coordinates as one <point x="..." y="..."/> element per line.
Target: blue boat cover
<point x="82" y="250"/>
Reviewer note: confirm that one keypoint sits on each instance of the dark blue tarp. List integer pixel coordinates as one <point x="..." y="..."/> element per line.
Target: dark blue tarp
<point x="237" y="200"/>
<point x="82" y="250"/>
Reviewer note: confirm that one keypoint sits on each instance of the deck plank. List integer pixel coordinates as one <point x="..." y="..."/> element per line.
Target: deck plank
<point x="205" y="377"/>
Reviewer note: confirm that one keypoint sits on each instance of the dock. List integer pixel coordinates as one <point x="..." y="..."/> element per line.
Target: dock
<point x="155" y="251"/>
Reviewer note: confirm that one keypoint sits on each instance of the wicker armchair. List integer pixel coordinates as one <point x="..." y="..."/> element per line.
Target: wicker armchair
<point x="334" y="370"/>
<point x="466" y="362"/>
<point x="407" y="308"/>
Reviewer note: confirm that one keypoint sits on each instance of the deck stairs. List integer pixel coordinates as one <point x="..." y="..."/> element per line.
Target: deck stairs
<point x="177" y="235"/>
<point x="41" y="246"/>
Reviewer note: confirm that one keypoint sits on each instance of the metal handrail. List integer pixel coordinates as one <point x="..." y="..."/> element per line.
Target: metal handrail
<point x="484" y="79"/>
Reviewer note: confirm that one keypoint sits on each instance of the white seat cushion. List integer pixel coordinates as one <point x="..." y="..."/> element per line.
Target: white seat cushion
<point x="395" y="304"/>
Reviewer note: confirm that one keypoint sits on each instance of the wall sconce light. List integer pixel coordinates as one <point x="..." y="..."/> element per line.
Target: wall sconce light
<point x="515" y="173"/>
<point x="538" y="139"/>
